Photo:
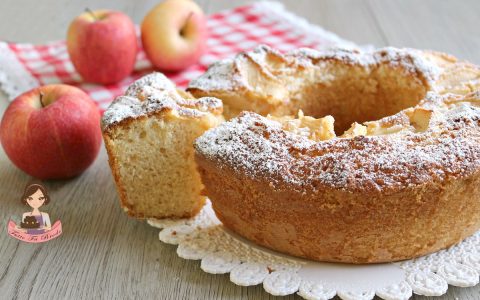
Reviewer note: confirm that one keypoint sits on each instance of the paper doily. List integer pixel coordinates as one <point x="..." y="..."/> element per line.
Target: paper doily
<point x="221" y="251"/>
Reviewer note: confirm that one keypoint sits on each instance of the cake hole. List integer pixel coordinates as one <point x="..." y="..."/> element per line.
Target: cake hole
<point x="349" y="92"/>
<point x="356" y="95"/>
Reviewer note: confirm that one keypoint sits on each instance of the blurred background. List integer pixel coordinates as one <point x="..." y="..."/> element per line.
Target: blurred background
<point x="443" y="25"/>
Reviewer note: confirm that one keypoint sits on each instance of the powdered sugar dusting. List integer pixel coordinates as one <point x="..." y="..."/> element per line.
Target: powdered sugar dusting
<point x="219" y="76"/>
<point x="225" y="75"/>
<point x="153" y="93"/>
<point x="253" y="145"/>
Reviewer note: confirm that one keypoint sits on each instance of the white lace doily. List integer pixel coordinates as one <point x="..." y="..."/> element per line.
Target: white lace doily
<point x="221" y="251"/>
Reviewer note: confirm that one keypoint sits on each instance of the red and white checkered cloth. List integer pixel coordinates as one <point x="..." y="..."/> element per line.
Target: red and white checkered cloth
<point x="23" y="66"/>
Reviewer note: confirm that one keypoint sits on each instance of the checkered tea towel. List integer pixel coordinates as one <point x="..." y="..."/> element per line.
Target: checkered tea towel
<point x="24" y="66"/>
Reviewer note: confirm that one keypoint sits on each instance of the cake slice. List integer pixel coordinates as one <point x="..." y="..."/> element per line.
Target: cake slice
<point x="149" y="134"/>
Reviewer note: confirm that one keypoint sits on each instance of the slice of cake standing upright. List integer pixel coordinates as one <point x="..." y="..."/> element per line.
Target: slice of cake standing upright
<point x="149" y="134"/>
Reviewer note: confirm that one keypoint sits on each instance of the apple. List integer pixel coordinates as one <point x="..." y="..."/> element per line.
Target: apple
<point x="174" y="34"/>
<point x="52" y="131"/>
<point x="102" y="46"/>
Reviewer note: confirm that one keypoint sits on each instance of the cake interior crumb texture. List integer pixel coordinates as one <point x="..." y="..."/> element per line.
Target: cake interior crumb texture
<point x="153" y="157"/>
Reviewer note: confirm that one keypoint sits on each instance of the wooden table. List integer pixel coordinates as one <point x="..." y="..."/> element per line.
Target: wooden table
<point x="103" y="253"/>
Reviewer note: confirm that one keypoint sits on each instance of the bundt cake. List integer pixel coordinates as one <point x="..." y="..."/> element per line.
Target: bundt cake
<point x="149" y="134"/>
<point x="364" y="191"/>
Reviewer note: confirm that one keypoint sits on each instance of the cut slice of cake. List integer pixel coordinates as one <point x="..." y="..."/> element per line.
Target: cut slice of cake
<point x="149" y="134"/>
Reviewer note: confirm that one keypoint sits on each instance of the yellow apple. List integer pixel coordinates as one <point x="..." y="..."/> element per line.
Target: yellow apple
<point x="174" y="34"/>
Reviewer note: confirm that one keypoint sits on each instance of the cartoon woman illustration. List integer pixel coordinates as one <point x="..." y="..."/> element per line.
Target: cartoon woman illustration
<point x="35" y="222"/>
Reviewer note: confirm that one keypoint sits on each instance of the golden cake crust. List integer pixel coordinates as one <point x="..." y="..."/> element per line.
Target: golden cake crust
<point x="397" y="188"/>
<point x="356" y="200"/>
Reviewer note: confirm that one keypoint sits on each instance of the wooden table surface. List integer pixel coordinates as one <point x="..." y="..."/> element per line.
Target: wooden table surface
<point x="103" y="253"/>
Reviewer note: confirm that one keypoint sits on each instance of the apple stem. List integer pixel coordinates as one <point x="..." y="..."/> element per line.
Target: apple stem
<point x="41" y="99"/>
<point x="88" y="10"/>
<point x="186" y="21"/>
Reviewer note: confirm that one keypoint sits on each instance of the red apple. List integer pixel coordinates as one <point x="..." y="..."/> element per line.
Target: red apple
<point x="52" y="131"/>
<point x="102" y="46"/>
<point x="174" y="34"/>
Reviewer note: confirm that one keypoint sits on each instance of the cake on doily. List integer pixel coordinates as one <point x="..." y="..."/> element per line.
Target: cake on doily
<point x="338" y="155"/>
<point x="345" y="187"/>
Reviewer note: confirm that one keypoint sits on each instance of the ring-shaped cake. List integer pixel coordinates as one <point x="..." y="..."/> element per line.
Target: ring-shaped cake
<point x="397" y="177"/>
